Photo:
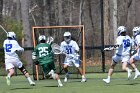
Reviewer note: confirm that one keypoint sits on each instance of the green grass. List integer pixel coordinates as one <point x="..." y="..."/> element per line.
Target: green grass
<point x="94" y="84"/>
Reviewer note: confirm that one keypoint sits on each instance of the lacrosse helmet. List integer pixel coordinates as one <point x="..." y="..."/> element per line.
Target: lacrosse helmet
<point x="11" y="35"/>
<point x="42" y="38"/>
<point x="67" y="37"/>
<point x="121" y="29"/>
<point x="136" y="31"/>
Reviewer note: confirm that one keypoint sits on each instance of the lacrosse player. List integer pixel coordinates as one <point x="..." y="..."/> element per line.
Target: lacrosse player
<point x="71" y="48"/>
<point x="123" y="47"/>
<point x="11" y="47"/>
<point x="43" y="54"/>
<point x="136" y="56"/>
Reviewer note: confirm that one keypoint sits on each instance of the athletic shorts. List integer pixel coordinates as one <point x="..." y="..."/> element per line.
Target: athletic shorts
<point x="48" y="67"/>
<point x="117" y="58"/>
<point x="72" y="62"/>
<point x="136" y="56"/>
<point x="11" y="63"/>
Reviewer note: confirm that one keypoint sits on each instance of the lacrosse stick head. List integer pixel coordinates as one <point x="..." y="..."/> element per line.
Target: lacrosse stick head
<point x="56" y="49"/>
<point x="50" y="39"/>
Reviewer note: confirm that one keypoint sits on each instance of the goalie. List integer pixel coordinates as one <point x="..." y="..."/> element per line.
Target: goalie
<point x="44" y="56"/>
<point x="72" y="58"/>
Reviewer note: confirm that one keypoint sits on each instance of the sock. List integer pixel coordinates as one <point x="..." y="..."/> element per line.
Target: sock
<point x="8" y="76"/>
<point x="29" y="79"/>
<point x="136" y="70"/>
<point x="59" y="81"/>
<point x="108" y="77"/>
<point x="83" y="76"/>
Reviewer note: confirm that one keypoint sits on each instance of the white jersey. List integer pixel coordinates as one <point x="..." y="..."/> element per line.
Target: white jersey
<point x="137" y="43"/>
<point x="70" y="48"/>
<point x="125" y="43"/>
<point x="10" y="48"/>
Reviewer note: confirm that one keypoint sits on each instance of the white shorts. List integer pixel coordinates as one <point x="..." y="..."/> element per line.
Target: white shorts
<point x="136" y="56"/>
<point x="72" y="62"/>
<point x="117" y="58"/>
<point x="11" y="63"/>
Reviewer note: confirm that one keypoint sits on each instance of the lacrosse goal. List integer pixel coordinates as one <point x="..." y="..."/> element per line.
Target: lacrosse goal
<point x="57" y="33"/>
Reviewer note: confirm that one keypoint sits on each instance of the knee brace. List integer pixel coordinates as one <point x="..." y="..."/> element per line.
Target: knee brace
<point x="23" y="70"/>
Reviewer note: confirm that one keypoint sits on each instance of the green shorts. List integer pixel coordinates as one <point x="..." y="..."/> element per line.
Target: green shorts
<point x="48" y="67"/>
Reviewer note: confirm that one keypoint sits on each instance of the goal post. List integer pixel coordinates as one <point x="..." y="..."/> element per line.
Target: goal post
<point x="54" y="31"/>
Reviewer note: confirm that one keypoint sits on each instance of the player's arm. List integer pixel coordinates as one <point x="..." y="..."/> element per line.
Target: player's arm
<point x="18" y="47"/>
<point x="112" y="47"/>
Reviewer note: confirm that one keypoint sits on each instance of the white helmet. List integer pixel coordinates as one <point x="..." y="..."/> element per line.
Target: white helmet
<point x="42" y="37"/>
<point x="136" y="31"/>
<point x="11" y="35"/>
<point x="67" y="36"/>
<point x="121" y="29"/>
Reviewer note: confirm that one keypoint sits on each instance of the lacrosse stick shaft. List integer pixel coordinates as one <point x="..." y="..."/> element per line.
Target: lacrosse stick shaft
<point x="3" y="29"/>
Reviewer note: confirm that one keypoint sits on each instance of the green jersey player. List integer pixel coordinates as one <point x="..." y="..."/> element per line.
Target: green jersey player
<point x="44" y="55"/>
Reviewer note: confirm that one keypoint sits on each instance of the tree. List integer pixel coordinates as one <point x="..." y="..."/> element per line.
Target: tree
<point x="26" y="29"/>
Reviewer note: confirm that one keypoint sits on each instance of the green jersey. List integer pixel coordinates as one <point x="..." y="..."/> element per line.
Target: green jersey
<point x="43" y="52"/>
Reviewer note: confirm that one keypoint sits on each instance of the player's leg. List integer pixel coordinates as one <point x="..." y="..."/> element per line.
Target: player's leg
<point x="125" y="61"/>
<point x="65" y="67"/>
<point x="49" y="69"/>
<point x="132" y="63"/>
<point x="26" y="74"/>
<point x="10" y="68"/>
<point x="125" y="68"/>
<point x="77" y="65"/>
<point x="115" y="60"/>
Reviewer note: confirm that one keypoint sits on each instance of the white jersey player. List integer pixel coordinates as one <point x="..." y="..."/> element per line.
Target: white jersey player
<point x="71" y="48"/>
<point x="11" y="57"/>
<point x="123" y="46"/>
<point x="136" y="56"/>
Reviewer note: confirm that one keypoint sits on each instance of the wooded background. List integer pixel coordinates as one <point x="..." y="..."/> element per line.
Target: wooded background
<point x="27" y="13"/>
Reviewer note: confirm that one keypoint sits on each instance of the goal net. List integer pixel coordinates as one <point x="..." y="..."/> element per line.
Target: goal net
<point x="57" y="33"/>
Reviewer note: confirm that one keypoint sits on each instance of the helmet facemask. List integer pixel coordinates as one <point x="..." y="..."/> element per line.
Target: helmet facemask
<point x="67" y="38"/>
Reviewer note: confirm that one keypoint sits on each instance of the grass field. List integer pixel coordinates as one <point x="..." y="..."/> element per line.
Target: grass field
<point x="94" y="84"/>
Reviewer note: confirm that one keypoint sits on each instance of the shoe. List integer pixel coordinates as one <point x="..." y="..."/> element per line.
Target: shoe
<point x="136" y="75"/>
<point x="60" y="85"/>
<point x="83" y="80"/>
<point x="32" y="83"/>
<point x="129" y="73"/>
<point x="106" y="81"/>
<point x="65" y="79"/>
<point x="51" y="72"/>
<point x="8" y="81"/>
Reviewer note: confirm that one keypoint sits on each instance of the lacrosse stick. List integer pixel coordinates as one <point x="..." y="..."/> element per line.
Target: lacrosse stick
<point x="108" y="49"/>
<point x="3" y="29"/>
<point x="56" y="50"/>
<point x="50" y="40"/>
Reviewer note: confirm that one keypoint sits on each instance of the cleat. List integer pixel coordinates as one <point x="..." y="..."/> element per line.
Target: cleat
<point x="137" y="74"/>
<point x="83" y="80"/>
<point x="8" y="81"/>
<point x="65" y="79"/>
<point x="129" y="73"/>
<point x="51" y="72"/>
<point x="60" y="85"/>
<point x="32" y="83"/>
<point x="106" y="81"/>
